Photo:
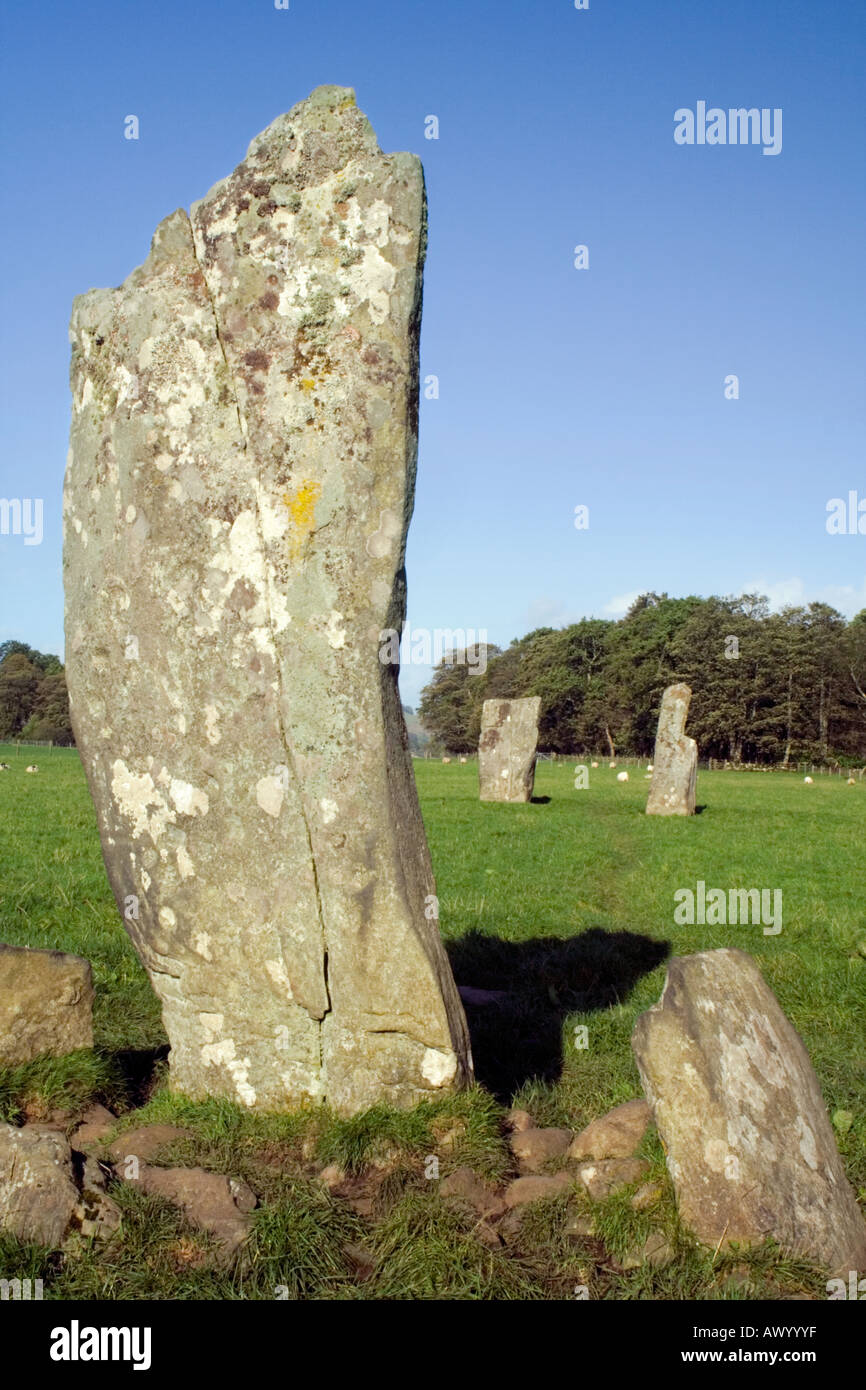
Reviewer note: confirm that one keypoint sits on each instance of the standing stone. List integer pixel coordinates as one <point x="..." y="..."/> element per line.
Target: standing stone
<point x="238" y="490"/>
<point x="749" y="1145"/>
<point x="675" y="764"/>
<point x="506" y="752"/>
<point x="46" y="1003"/>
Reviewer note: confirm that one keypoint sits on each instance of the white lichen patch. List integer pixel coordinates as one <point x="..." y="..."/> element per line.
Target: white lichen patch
<point x="134" y="795"/>
<point x="438" y="1068"/>
<point x="189" y="800"/>
<point x="329" y="809"/>
<point x="808" y="1147"/>
<point x="212" y="1025"/>
<point x="335" y="631"/>
<point x="184" y="863"/>
<point x="201" y="944"/>
<point x="223" y="1054"/>
<point x="381" y="542"/>
<point x="277" y="971"/>
<point x="211" y="724"/>
<point x="167" y="918"/>
<point x="269" y="795"/>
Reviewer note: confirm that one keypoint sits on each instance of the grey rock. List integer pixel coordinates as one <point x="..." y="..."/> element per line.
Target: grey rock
<point x="211" y="1201"/>
<point x="675" y="764"/>
<point x="601" y="1179"/>
<point x="655" y="1251"/>
<point x="465" y="1187"/>
<point x="38" y="1195"/>
<point x="145" y="1142"/>
<point x="46" y="1002"/>
<point x="506" y="750"/>
<point x="239" y="485"/>
<point x="646" y="1196"/>
<point x="579" y="1226"/>
<point x="749" y="1144"/>
<point x="533" y="1148"/>
<point x="96" y="1123"/>
<point x="614" y="1135"/>
<point x="538" y="1189"/>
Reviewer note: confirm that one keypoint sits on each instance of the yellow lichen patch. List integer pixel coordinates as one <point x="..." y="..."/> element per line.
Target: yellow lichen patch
<point x="302" y="511"/>
<point x="307" y="383"/>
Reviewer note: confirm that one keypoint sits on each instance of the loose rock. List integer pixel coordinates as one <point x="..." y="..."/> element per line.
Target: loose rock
<point x="46" y="1004"/>
<point x="614" y="1135"/>
<point x="38" y="1195"/>
<point x="538" y="1189"/>
<point x="750" y="1147"/>
<point x="609" y="1175"/>
<point x="533" y="1148"/>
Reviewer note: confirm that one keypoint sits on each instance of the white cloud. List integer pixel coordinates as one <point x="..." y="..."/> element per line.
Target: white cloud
<point x="620" y="605"/>
<point x="848" y="598"/>
<point x="548" y="612"/>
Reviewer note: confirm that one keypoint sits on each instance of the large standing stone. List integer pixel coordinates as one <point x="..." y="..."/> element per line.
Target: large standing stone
<point x="675" y="764"/>
<point x="506" y="751"/>
<point x="46" y="1000"/>
<point x="749" y="1144"/>
<point x="238" y="490"/>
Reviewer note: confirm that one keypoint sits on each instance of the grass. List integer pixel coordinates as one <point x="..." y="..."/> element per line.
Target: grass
<point x="565" y="903"/>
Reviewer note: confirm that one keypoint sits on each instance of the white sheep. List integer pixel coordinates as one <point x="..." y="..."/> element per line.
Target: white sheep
<point x="649" y="767"/>
<point x="595" y="764"/>
<point x="4" y="767"/>
<point x="32" y="768"/>
<point x="852" y="782"/>
<point x="808" y="781"/>
<point x="622" y="776"/>
<point x="446" y="760"/>
<point x="463" y="760"/>
<point x="611" y="765"/>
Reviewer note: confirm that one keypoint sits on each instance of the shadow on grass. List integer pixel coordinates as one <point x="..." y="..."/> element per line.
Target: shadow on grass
<point x="518" y="1037"/>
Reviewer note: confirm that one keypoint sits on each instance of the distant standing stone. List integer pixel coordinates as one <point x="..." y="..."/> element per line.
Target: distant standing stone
<point x="749" y="1144"/>
<point x="46" y="1000"/>
<point x="507" y="749"/>
<point x="675" y="765"/>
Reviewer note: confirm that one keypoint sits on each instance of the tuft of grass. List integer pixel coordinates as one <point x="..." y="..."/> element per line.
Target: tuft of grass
<point x="69" y="1083"/>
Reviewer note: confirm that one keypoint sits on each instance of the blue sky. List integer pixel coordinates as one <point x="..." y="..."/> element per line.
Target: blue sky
<point x="558" y="386"/>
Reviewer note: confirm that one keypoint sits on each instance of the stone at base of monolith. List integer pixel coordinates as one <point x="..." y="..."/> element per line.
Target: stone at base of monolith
<point x="506" y="750"/>
<point x="675" y="763"/>
<point x="46" y="1004"/>
<point x="749" y="1144"/>
<point x="239" y="485"/>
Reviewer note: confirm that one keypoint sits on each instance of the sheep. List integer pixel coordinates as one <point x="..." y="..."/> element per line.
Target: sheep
<point x="32" y="768"/>
<point x="852" y="782"/>
<point x="446" y="760"/>
<point x="808" y="781"/>
<point x="4" y="767"/>
<point x="622" y="776"/>
<point x="611" y="765"/>
<point x="463" y="760"/>
<point x="649" y="767"/>
<point x="595" y="764"/>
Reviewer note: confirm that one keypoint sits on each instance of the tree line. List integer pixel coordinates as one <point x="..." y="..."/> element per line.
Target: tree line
<point x="34" y="703"/>
<point x="766" y="687"/>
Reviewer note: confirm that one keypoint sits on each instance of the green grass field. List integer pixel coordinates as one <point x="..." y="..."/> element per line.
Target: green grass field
<point x="568" y="905"/>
